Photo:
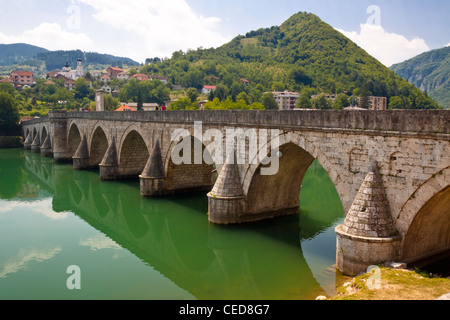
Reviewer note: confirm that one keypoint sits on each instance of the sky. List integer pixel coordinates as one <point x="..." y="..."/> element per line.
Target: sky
<point x="390" y="30"/>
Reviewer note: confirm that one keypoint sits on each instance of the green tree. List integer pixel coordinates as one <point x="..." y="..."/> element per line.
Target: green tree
<point x="341" y="101"/>
<point x="181" y="104"/>
<point x="7" y="87"/>
<point x="396" y="102"/>
<point x="321" y="103"/>
<point x="221" y="92"/>
<point x="111" y="103"/>
<point x="81" y="89"/>
<point x="129" y="92"/>
<point x="300" y="76"/>
<point x="61" y="94"/>
<point x="257" y="106"/>
<point x="364" y="94"/>
<point x="235" y="90"/>
<point x="9" y="112"/>
<point x="213" y="104"/>
<point x="269" y="101"/>
<point x="132" y="72"/>
<point x="192" y="94"/>
<point x="139" y="100"/>
<point x="304" y="101"/>
<point x="278" y="86"/>
<point x="243" y="96"/>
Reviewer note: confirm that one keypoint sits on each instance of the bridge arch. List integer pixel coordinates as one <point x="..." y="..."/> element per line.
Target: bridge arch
<point x="133" y="154"/>
<point x="26" y="132"/>
<point x="296" y="154"/>
<point x="98" y="146"/>
<point x="73" y="139"/>
<point x="35" y="132"/>
<point x="424" y="220"/>
<point x="44" y="134"/>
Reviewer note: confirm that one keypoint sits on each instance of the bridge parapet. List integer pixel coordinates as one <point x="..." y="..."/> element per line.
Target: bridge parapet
<point x="411" y="121"/>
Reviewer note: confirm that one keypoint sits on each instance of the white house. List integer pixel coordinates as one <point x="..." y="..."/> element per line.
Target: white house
<point x="123" y="76"/>
<point x="207" y="89"/>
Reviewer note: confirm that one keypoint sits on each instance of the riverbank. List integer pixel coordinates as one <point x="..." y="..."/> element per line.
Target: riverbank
<point x="393" y="284"/>
<point x="10" y="142"/>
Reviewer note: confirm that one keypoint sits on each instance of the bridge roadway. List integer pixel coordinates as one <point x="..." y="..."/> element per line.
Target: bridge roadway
<point x="391" y="169"/>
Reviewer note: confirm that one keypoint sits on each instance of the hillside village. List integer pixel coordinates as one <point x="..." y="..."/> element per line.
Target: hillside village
<point x="114" y="82"/>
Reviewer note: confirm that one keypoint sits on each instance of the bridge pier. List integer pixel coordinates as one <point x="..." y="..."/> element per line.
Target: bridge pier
<point x="368" y="235"/>
<point x="152" y="178"/>
<point x="109" y="167"/>
<point x="226" y="200"/>
<point x="36" y="145"/>
<point x="46" y="149"/>
<point x="81" y="157"/>
<point x="28" y="141"/>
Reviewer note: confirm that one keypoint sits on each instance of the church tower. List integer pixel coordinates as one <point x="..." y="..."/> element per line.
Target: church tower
<point x="66" y="68"/>
<point x="80" y="70"/>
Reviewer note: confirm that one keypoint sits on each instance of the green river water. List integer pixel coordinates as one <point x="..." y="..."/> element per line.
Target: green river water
<point x="129" y="247"/>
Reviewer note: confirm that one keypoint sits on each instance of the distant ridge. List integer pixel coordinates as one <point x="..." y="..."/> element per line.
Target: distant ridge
<point x="20" y="53"/>
<point x="429" y="71"/>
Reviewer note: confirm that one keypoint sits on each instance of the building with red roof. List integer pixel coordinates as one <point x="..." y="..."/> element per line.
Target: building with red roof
<point x="125" y="108"/>
<point x="140" y="77"/>
<point x="21" y="78"/>
<point x="207" y="89"/>
<point x="112" y="72"/>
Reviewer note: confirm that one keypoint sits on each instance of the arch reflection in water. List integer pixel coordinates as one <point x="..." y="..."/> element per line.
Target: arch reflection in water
<point x="263" y="260"/>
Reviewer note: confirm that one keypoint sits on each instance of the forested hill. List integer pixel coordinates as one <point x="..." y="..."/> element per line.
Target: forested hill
<point x="18" y="53"/>
<point x="429" y="71"/>
<point x="21" y="54"/>
<point x="303" y="54"/>
<point x="56" y="59"/>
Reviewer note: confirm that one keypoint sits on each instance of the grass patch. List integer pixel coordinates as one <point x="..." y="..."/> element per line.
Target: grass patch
<point x="394" y="285"/>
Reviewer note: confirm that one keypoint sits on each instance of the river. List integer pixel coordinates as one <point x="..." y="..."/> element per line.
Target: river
<point x="66" y="235"/>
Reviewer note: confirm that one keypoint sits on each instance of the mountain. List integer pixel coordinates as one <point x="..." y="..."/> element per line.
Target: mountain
<point x="18" y="52"/>
<point x="304" y="53"/>
<point x="429" y="71"/>
<point x="56" y="59"/>
<point x="25" y="54"/>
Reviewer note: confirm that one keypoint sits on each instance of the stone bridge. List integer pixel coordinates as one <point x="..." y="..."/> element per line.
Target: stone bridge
<point x="391" y="169"/>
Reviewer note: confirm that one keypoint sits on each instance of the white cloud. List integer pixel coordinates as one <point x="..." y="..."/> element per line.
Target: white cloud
<point x="99" y="242"/>
<point x="43" y="207"/>
<point x="388" y="48"/>
<point x="18" y="262"/>
<point x="50" y="36"/>
<point x="161" y="27"/>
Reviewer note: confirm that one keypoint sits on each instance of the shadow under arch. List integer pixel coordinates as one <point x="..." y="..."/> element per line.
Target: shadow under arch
<point x="133" y="155"/>
<point x="73" y="139"/>
<point x="98" y="147"/>
<point x="425" y="219"/>
<point x="35" y="132"/>
<point x="280" y="192"/>
<point x="44" y="134"/>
